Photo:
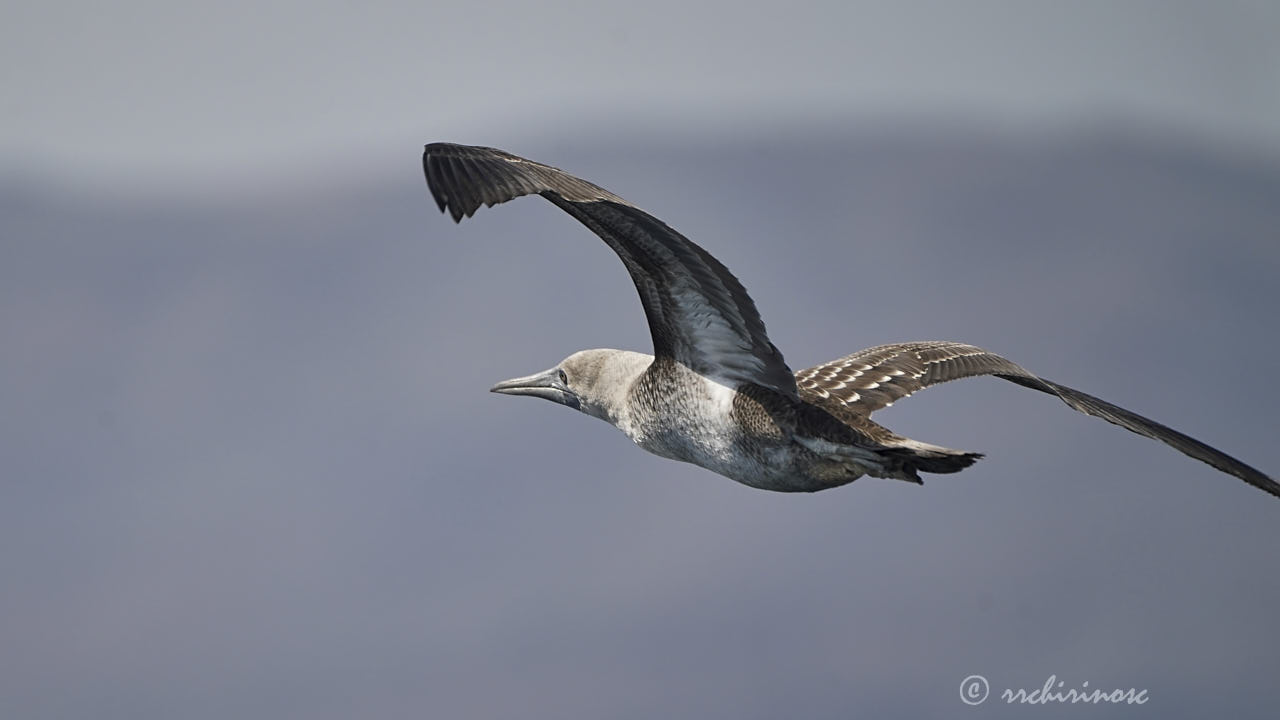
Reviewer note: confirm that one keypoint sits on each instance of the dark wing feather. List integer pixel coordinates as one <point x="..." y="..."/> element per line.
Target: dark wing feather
<point x="875" y="378"/>
<point x="698" y="312"/>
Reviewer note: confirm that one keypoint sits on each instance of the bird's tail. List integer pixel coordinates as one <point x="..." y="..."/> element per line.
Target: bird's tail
<point x="905" y="459"/>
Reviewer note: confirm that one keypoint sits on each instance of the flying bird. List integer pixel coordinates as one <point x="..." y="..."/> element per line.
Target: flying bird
<point x="716" y="392"/>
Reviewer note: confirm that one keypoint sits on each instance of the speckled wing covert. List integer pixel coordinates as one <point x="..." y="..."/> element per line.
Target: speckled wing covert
<point x="698" y="312"/>
<point x="875" y="378"/>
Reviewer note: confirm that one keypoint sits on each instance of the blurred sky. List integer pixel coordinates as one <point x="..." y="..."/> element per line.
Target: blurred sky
<point x="249" y="467"/>
<point x="142" y="92"/>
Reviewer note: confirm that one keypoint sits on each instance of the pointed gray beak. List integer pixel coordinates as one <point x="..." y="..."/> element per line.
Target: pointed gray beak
<point x="546" y="385"/>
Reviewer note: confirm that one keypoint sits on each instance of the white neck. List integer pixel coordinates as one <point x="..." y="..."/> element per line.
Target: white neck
<point x="608" y="378"/>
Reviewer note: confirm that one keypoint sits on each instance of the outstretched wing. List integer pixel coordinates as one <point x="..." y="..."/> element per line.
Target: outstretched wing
<point x="875" y="378"/>
<point x="698" y="312"/>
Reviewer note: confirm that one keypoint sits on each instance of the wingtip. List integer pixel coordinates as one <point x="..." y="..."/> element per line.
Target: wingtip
<point x="1264" y="483"/>
<point x="441" y="201"/>
<point x="431" y="169"/>
<point x="446" y="207"/>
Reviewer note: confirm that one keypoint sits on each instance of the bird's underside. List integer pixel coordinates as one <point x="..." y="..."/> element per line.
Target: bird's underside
<point x="717" y="392"/>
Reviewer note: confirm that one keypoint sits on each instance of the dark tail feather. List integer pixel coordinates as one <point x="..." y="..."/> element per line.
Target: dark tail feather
<point x="913" y="457"/>
<point x="1147" y="427"/>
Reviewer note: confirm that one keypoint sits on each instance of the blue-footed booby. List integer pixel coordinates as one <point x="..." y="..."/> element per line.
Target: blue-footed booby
<point x="716" y="392"/>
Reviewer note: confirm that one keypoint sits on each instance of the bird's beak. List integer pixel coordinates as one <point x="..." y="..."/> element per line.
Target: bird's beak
<point x="545" y="385"/>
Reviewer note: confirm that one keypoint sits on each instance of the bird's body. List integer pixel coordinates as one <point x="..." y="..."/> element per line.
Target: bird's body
<point x="760" y="437"/>
<point x="716" y="392"/>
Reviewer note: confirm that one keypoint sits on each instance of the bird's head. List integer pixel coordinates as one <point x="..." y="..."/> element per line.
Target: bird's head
<point x="596" y="382"/>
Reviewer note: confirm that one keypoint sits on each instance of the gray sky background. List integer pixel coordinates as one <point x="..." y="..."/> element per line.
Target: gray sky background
<point x="146" y="92"/>
<point x="248" y="466"/>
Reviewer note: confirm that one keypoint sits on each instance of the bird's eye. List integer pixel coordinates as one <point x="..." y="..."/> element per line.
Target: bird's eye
<point x="564" y="379"/>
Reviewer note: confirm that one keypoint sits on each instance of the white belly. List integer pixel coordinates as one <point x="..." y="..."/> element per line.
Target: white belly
<point x="698" y="428"/>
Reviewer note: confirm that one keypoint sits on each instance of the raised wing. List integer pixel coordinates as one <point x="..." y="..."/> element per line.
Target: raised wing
<point x="698" y="312"/>
<point x="875" y="378"/>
